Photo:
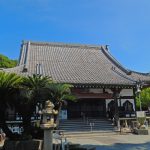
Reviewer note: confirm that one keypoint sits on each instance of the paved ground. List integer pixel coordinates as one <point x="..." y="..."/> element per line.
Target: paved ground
<point x="115" y="142"/>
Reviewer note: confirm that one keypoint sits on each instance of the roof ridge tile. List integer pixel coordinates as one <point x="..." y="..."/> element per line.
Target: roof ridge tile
<point x="64" y="44"/>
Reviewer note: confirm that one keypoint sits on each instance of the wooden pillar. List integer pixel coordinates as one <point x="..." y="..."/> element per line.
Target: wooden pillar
<point x="116" y="111"/>
<point x="119" y="102"/>
<point x="134" y="96"/>
<point x="116" y="93"/>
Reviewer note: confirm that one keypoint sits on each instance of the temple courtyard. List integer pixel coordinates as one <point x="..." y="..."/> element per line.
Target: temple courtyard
<point x="114" y="142"/>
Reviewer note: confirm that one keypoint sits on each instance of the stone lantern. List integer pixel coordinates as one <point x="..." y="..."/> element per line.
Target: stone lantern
<point x="48" y="124"/>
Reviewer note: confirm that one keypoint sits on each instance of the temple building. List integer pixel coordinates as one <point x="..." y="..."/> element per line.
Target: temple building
<point x="101" y="83"/>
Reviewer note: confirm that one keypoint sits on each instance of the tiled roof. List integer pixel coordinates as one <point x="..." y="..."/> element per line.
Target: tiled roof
<point x="70" y="63"/>
<point x="141" y="76"/>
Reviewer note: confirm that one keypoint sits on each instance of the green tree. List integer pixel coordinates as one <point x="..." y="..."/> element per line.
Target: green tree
<point x="25" y="92"/>
<point x="5" y="62"/>
<point x="144" y="97"/>
<point x="59" y="94"/>
<point x="9" y="83"/>
<point x="33" y="91"/>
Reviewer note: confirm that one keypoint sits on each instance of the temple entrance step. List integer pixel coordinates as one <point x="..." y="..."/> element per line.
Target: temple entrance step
<point x="89" y="134"/>
<point x="85" y="126"/>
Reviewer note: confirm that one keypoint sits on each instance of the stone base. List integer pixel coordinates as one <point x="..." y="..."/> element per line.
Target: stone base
<point x="81" y="147"/>
<point x="23" y="145"/>
<point x="141" y="131"/>
<point x="125" y="130"/>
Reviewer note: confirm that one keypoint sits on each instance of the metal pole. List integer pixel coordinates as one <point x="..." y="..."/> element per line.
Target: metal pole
<point x="91" y="126"/>
<point x="138" y="92"/>
<point x="87" y="121"/>
<point x="140" y="102"/>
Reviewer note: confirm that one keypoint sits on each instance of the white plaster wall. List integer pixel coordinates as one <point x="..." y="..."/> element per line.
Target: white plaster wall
<point x="107" y="102"/>
<point x="126" y="92"/>
<point x="108" y="90"/>
<point x="96" y="90"/>
<point x="122" y="102"/>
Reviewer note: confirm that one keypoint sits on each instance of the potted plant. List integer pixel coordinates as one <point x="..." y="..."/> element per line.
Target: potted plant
<point x="141" y="128"/>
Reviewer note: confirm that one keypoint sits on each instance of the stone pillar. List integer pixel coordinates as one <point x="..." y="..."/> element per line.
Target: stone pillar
<point x="48" y="139"/>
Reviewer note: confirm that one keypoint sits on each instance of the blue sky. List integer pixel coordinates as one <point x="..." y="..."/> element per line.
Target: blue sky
<point x="124" y="25"/>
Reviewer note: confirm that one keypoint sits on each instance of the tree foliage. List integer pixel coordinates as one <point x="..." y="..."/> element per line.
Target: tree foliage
<point x="59" y="94"/>
<point x="23" y="93"/>
<point x="37" y="84"/>
<point x="5" y="62"/>
<point x="33" y="91"/>
<point x="144" y="97"/>
<point x="9" y="83"/>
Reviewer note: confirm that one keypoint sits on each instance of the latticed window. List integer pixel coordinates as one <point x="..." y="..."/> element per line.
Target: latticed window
<point x="128" y="106"/>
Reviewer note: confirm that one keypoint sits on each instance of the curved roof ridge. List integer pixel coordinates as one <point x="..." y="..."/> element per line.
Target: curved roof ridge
<point x="140" y="73"/>
<point x="63" y="44"/>
<point x="124" y="76"/>
<point x="114" y="61"/>
<point x="16" y="67"/>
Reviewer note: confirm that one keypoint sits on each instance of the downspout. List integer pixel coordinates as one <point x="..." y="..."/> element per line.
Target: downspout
<point x="26" y="57"/>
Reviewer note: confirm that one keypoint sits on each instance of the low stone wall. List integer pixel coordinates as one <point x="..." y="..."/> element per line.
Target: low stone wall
<point x="23" y="145"/>
<point x="141" y="131"/>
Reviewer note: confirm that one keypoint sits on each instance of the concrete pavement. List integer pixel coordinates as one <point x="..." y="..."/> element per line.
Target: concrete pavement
<point x="115" y="142"/>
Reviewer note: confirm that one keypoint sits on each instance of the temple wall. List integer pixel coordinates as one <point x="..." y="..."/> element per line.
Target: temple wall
<point x="95" y="90"/>
<point x="108" y="90"/>
<point x="130" y="100"/>
<point x="122" y="102"/>
<point x="124" y="92"/>
<point x="91" y="96"/>
<point x="107" y="102"/>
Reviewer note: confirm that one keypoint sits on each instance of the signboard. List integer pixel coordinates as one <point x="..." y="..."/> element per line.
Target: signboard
<point x="140" y="114"/>
<point x="63" y="115"/>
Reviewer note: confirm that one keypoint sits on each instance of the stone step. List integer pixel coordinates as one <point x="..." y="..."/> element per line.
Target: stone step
<point x="93" y="121"/>
<point x="78" y="126"/>
<point x="89" y="134"/>
<point x="88" y="130"/>
<point x="86" y="122"/>
<point x="82" y="127"/>
<point x="86" y="127"/>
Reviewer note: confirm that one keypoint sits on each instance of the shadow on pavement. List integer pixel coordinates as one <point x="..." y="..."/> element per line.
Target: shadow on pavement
<point x="124" y="146"/>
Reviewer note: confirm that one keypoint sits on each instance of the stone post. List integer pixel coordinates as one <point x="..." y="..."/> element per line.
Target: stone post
<point x="48" y="124"/>
<point x="48" y="139"/>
